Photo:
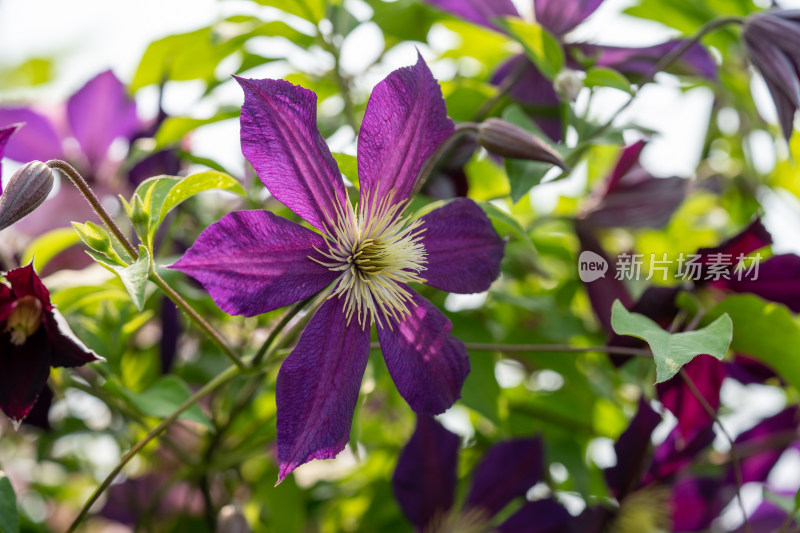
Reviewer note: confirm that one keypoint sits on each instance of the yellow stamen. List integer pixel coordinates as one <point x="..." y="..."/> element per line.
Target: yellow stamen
<point x="25" y="319"/>
<point x="377" y="252"/>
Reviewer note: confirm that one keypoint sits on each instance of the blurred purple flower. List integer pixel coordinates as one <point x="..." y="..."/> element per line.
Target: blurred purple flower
<point x="559" y="17"/>
<point x="632" y="197"/>
<point x="425" y="478"/>
<point x="252" y="262"/>
<point x="33" y="337"/>
<point x="772" y="42"/>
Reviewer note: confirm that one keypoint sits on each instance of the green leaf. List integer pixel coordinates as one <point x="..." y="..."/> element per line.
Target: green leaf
<point x="9" y="518"/>
<point x="176" y="128"/>
<point x="766" y="331"/>
<point x="498" y="215"/>
<point x="481" y="391"/>
<point x="607" y="77"/>
<point x="133" y="276"/>
<point x="197" y="183"/>
<point x="164" y="397"/>
<point x="44" y="248"/>
<point x="348" y="165"/>
<point x="673" y="350"/>
<point x="311" y="10"/>
<point x="540" y="46"/>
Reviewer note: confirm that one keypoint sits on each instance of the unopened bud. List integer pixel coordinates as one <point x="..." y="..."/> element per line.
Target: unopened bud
<point x="568" y="84"/>
<point x="27" y="188"/>
<point x="231" y="520"/>
<point x="505" y="139"/>
<point x="93" y="235"/>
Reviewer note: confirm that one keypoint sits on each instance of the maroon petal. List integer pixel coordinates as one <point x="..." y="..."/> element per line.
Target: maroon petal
<point x="559" y="16"/>
<point x="317" y="388"/>
<point x="769" y="438"/>
<point x="425" y="478"/>
<point x="427" y="364"/>
<point x="67" y="350"/>
<point x="696" y="502"/>
<point x="540" y="516"/>
<point x="481" y="12"/>
<point x="506" y="472"/>
<point x="281" y="141"/>
<point x="632" y="450"/>
<point x="707" y="374"/>
<point x="638" y="62"/>
<point x="463" y="249"/>
<point x="754" y="237"/>
<point x="23" y="372"/>
<point x="535" y="92"/>
<point x="632" y="197"/>
<point x="676" y="453"/>
<point x="252" y="262"/>
<point x="778" y="280"/>
<point x="404" y="123"/>
<point x="35" y="140"/>
<point x="100" y="112"/>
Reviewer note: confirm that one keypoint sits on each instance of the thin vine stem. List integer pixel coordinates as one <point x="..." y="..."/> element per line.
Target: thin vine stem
<point x="461" y="130"/>
<point x="512" y="348"/>
<point x="209" y="387"/>
<point x="735" y="460"/>
<point x="197" y="319"/>
<point x="98" y="208"/>
<point x="285" y="319"/>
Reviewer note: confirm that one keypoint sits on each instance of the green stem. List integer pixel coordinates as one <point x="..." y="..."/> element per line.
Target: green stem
<point x="510" y="348"/>
<point x="285" y="319"/>
<point x="197" y="319"/>
<point x="155" y="432"/>
<point x="664" y="62"/>
<point x="91" y="197"/>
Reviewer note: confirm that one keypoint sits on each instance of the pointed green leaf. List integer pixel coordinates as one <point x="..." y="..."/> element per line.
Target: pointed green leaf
<point x="607" y="77"/>
<point x="498" y="215"/>
<point x="9" y="519"/>
<point x="133" y="276"/>
<point x="164" y="397"/>
<point x="540" y="46"/>
<point x="197" y="183"/>
<point x="673" y="350"/>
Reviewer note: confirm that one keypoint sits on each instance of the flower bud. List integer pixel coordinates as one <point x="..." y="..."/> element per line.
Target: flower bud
<point x="505" y="139"/>
<point x="27" y="188"/>
<point x="231" y="520"/>
<point x="568" y="84"/>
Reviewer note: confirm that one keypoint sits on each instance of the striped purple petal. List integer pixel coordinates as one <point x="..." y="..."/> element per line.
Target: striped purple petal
<point x="482" y="12"/>
<point x="35" y="140"/>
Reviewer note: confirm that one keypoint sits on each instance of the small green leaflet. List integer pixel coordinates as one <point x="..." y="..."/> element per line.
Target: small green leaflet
<point x="9" y="519"/>
<point x="540" y="46"/>
<point x="673" y="350"/>
<point x="163" y="398"/>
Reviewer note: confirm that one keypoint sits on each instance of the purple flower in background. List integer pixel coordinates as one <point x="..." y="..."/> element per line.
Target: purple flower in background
<point x="424" y="485"/>
<point x="33" y="337"/>
<point x="772" y="42"/>
<point x="559" y="17"/>
<point x="252" y="262"/>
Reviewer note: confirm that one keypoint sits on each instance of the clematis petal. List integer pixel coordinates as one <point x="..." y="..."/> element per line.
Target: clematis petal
<point x="482" y="12"/>
<point x="36" y="139"/>
<point x="66" y="349"/>
<point x="463" y="249"/>
<point x="696" y="502"/>
<point x="281" y="140"/>
<point x="632" y="451"/>
<point x="252" y="262"/>
<point x="535" y="92"/>
<point x="707" y="374"/>
<point x="768" y="516"/>
<point x="638" y="62"/>
<point x="426" y="362"/>
<point x="540" y="516"/>
<point x="5" y="134"/>
<point x="676" y="453"/>
<point x="770" y="438"/>
<point x="425" y="478"/>
<point x="100" y="112"/>
<point x="317" y="388"/>
<point x="559" y="17"/>
<point x="778" y="281"/>
<point x="404" y="123"/>
<point x="506" y="472"/>
<point x="23" y="373"/>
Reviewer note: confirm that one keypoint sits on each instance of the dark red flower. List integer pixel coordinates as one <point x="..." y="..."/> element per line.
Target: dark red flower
<point x="33" y="337"/>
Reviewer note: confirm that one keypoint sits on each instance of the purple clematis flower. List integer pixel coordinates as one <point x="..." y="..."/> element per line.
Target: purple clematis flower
<point x="559" y="17"/>
<point x="772" y="41"/>
<point x="252" y="262"/>
<point x="424" y="485"/>
<point x="33" y="337"/>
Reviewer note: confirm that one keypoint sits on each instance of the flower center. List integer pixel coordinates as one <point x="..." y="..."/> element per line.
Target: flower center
<point x="377" y="252"/>
<point x="644" y="511"/>
<point x="25" y="319"/>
